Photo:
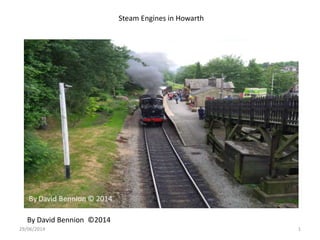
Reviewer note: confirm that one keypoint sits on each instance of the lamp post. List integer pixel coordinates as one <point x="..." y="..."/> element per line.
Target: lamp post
<point x="64" y="128"/>
<point x="272" y="80"/>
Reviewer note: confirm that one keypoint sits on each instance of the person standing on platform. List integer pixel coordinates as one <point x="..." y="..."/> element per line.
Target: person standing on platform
<point x="177" y="98"/>
<point x="201" y="113"/>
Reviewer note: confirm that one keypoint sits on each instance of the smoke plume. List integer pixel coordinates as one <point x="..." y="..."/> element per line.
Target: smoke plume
<point x="148" y="73"/>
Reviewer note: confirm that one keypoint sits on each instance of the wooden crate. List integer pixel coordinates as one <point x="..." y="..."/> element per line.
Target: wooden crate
<point x="247" y="161"/>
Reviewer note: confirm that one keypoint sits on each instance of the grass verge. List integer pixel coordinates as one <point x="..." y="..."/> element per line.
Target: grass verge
<point x="93" y="151"/>
<point x="175" y="86"/>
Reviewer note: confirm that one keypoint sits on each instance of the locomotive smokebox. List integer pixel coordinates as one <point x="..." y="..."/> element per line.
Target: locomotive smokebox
<point x="152" y="111"/>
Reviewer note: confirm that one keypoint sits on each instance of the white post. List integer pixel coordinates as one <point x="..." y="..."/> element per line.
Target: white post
<point x="64" y="127"/>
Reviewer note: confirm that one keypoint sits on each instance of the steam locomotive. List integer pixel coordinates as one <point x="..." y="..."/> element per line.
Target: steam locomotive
<point x="152" y="111"/>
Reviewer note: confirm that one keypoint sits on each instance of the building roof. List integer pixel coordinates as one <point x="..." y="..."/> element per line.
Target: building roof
<point x="228" y="85"/>
<point x="204" y="82"/>
<point x="196" y="83"/>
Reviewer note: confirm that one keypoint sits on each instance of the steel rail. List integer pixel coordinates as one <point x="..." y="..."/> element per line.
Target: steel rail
<point x="186" y="170"/>
<point x="151" y="169"/>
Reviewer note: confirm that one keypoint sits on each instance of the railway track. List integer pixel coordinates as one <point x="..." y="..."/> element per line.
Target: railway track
<point x="174" y="186"/>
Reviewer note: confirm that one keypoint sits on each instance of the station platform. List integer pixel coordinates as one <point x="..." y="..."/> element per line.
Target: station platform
<point x="190" y="129"/>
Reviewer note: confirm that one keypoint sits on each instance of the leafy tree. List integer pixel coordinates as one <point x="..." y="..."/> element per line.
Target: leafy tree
<point x="185" y="72"/>
<point x="89" y="64"/>
<point x="229" y="67"/>
<point x="282" y="80"/>
<point x="254" y="74"/>
<point x="41" y="79"/>
<point x="168" y="76"/>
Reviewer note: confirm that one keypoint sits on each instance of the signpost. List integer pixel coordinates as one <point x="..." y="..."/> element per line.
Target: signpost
<point x="64" y="127"/>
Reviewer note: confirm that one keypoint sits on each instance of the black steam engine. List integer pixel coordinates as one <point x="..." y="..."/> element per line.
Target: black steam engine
<point x="152" y="111"/>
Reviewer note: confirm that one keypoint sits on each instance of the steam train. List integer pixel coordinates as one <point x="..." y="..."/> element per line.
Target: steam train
<point x="152" y="111"/>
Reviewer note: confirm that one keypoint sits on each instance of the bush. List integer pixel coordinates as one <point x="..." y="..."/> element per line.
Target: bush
<point x="36" y="153"/>
<point x="105" y="108"/>
<point x="92" y="106"/>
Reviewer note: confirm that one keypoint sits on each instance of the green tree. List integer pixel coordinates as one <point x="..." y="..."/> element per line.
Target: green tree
<point x="90" y="65"/>
<point x="281" y="80"/>
<point x="40" y="82"/>
<point x="185" y="72"/>
<point x="168" y="76"/>
<point x="254" y="75"/>
<point x="229" y="67"/>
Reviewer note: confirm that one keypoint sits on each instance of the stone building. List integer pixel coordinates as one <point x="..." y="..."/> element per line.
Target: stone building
<point x="202" y="89"/>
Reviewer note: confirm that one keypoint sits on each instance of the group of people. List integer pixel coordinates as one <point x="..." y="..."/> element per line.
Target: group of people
<point x="176" y="96"/>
